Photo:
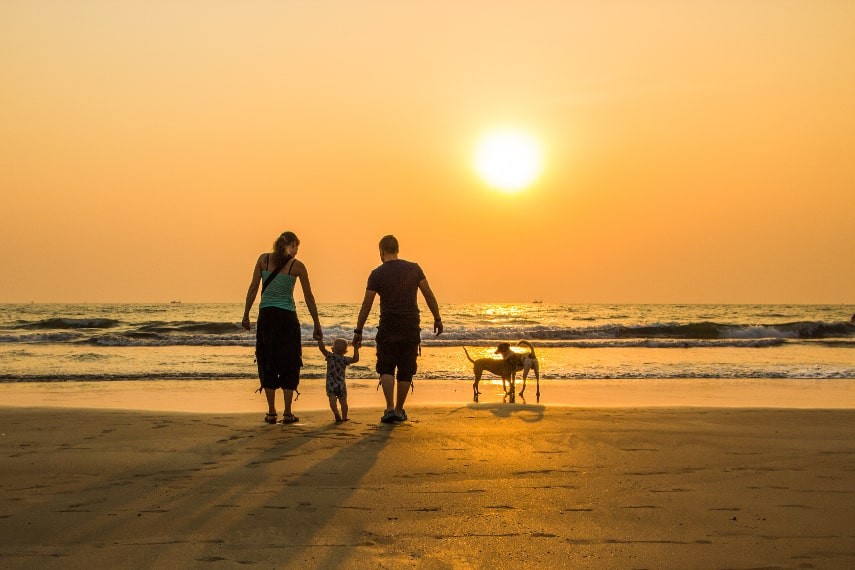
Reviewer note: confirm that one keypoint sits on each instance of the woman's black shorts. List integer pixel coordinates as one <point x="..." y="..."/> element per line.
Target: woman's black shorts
<point x="278" y="348"/>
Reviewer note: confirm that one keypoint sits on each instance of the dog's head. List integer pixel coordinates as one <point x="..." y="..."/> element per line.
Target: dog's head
<point x="503" y="348"/>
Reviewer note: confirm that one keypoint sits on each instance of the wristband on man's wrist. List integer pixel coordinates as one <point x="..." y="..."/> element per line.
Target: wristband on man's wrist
<point x="357" y="331"/>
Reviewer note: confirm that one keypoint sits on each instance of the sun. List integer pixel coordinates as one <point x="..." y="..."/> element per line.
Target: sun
<point x="508" y="160"/>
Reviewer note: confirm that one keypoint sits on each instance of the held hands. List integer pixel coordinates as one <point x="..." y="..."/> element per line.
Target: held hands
<point x="318" y="333"/>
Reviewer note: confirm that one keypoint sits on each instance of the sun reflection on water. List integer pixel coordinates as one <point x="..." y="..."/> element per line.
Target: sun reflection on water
<point x="499" y="313"/>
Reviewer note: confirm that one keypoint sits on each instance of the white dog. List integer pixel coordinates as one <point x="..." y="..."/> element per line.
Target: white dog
<point x="529" y="362"/>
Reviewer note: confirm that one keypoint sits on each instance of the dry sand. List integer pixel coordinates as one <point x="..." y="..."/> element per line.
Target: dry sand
<point x="458" y="486"/>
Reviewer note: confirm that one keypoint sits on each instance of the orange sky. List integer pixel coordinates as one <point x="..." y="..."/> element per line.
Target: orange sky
<point x="695" y="151"/>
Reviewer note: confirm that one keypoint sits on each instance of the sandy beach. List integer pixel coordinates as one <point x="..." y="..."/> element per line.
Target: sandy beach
<point x="466" y="485"/>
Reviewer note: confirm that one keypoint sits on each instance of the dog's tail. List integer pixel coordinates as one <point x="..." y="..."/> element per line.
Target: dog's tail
<point x="467" y="355"/>
<point x="530" y="347"/>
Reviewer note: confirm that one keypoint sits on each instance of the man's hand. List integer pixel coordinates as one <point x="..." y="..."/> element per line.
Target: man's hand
<point x="318" y="333"/>
<point x="437" y="327"/>
<point x="245" y="323"/>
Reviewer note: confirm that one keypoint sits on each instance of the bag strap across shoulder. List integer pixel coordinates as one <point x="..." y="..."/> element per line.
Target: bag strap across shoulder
<point x="274" y="273"/>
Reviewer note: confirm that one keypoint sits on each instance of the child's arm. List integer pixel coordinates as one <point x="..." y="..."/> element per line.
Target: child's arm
<point x="323" y="348"/>
<point x="355" y="358"/>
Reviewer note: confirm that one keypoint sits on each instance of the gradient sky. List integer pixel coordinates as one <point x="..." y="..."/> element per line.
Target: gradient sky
<point x="696" y="151"/>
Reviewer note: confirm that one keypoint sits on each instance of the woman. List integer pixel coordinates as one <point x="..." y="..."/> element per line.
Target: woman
<point x="278" y="347"/>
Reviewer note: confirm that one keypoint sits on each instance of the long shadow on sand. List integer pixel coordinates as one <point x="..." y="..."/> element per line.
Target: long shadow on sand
<point x="182" y="503"/>
<point x="332" y="480"/>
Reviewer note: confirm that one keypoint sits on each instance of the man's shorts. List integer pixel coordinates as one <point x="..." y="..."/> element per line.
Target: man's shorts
<point x="397" y="355"/>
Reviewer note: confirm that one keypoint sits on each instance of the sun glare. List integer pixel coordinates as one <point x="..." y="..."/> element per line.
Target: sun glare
<point x="509" y="161"/>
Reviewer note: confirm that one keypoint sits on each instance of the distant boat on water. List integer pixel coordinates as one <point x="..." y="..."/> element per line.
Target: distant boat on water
<point x="537" y="301"/>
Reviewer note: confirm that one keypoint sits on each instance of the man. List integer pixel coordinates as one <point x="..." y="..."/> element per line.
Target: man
<point x="397" y="282"/>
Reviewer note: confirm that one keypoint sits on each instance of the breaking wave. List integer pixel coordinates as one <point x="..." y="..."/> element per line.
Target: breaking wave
<point x="217" y="333"/>
<point x="67" y="323"/>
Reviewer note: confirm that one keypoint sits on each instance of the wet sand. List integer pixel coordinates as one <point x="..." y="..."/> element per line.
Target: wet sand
<point x="461" y="485"/>
<point x="234" y="396"/>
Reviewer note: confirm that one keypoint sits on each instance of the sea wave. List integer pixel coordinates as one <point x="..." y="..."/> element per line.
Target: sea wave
<point x="317" y="374"/>
<point x="159" y="341"/>
<point x="712" y="330"/>
<point x="61" y="323"/>
<point x="188" y="327"/>
<point x="46" y="338"/>
<point x="112" y="332"/>
<point x="154" y="339"/>
<point x="630" y="343"/>
<point x="118" y="377"/>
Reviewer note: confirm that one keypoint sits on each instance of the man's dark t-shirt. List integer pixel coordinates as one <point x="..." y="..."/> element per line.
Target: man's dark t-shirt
<point x="397" y="283"/>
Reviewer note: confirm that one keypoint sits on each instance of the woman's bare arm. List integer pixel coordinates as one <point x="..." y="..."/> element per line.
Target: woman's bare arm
<point x="303" y="275"/>
<point x="252" y="292"/>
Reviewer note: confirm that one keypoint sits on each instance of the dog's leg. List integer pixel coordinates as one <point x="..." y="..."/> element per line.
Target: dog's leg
<point x="475" y="391"/>
<point x="537" y="376"/>
<point x="511" y="392"/>
<point x="512" y="386"/>
<point x="526" y="367"/>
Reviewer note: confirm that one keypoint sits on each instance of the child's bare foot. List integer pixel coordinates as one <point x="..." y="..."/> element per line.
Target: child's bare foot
<point x="340" y="420"/>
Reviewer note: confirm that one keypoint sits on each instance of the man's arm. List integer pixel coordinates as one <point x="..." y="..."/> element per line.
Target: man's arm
<point x="367" y="302"/>
<point x="430" y="299"/>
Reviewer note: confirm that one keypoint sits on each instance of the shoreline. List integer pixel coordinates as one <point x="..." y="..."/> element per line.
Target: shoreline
<point x="238" y="396"/>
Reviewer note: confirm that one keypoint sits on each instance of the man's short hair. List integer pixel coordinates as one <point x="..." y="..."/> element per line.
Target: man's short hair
<point x="389" y="244"/>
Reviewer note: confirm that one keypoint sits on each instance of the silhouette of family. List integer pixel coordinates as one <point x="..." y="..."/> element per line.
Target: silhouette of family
<point x="278" y="344"/>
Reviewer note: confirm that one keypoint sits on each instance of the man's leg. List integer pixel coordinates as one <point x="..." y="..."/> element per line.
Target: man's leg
<point x="388" y="383"/>
<point x="406" y="370"/>
<point x="403" y="390"/>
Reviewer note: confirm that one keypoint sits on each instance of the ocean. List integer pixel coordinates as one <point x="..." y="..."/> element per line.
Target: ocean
<point x="120" y="342"/>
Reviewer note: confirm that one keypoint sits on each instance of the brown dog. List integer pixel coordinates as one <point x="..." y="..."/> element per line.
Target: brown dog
<point x="506" y="368"/>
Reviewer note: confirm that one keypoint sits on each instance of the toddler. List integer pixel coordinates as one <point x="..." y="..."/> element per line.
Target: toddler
<point x="337" y="362"/>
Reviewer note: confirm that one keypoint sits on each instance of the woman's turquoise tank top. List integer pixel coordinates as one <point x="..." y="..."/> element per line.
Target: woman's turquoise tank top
<point x="280" y="292"/>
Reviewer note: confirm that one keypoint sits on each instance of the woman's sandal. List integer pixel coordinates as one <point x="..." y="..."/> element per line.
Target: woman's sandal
<point x="270" y="418"/>
<point x="289" y="419"/>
